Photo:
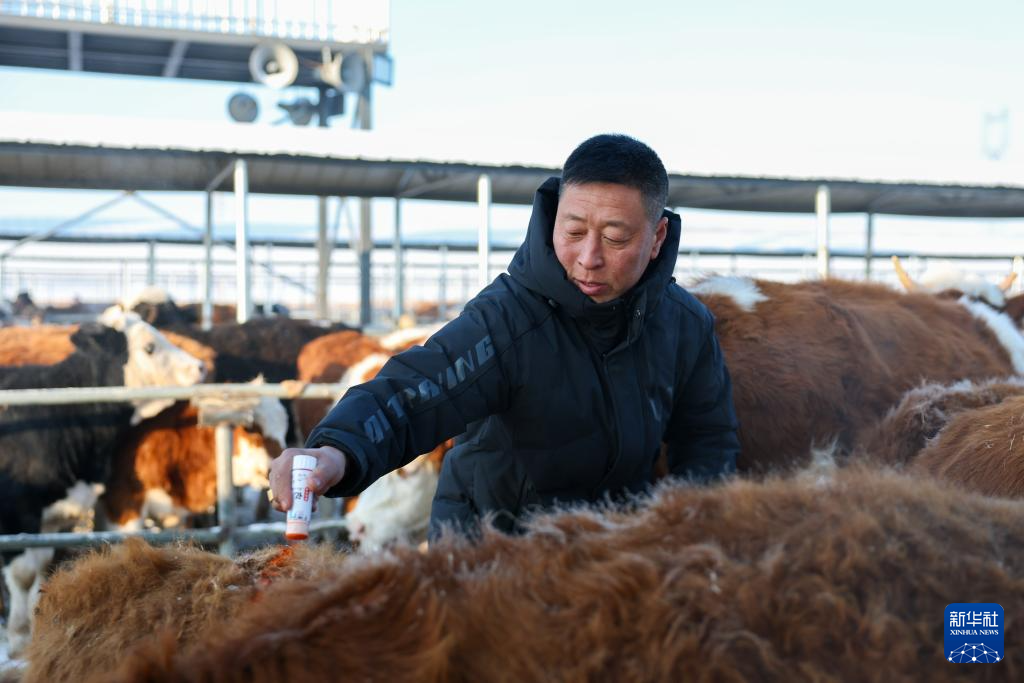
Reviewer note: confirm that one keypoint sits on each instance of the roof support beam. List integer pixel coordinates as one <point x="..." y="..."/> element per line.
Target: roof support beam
<point x="407" y="190"/>
<point x="323" y="249"/>
<point x="483" y="193"/>
<point x="174" y="59"/>
<point x="207" y="317"/>
<point x="869" y="245"/>
<point x="399" y="303"/>
<point x="75" y="50"/>
<point x="60" y="227"/>
<point x="243" y="278"/>
<point x="823" y="208"/>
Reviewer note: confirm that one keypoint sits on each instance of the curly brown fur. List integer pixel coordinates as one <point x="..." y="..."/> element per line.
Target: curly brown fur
<point x="923" y="412"/>
<point x="981" y="450"/>
<point x="93" y="612"/>
<point x="841" y="579"/>
<point x="822" y="360"/>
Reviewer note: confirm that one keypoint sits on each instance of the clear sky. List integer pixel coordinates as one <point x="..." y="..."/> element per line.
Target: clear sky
<point x="843" y="89"/>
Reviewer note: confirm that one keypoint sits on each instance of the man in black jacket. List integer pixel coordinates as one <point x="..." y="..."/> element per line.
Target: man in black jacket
<point x="564" y="376"/>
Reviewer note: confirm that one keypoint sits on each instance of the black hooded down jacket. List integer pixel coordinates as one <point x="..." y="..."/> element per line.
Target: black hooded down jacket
<point x="547" y="412"/>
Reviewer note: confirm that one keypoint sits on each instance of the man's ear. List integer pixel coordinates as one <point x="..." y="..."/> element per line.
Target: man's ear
<point x="659" y="237"/>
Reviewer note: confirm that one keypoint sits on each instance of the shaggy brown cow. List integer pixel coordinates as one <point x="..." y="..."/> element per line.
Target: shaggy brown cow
<point x="50" y="344"/>
<point x="923" y="412"/>
<point x="819" y="361"/>
<point x="806" y="579"/>
<point x="981" y="450"/>
<point x="93" y="612"/>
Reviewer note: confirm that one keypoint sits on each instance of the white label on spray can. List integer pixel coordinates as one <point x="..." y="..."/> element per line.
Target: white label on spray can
<point x="297" y="525"/>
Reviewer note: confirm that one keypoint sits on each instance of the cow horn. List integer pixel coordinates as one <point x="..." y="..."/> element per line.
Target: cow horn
<point x="1007" y="282"/>
<point x="905" y="280"/>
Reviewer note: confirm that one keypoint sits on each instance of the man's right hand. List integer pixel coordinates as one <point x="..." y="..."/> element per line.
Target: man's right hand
<point x="330" y="468"/>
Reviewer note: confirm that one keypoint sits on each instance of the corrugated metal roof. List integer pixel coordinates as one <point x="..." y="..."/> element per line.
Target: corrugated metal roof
<point x="38" y="152"/>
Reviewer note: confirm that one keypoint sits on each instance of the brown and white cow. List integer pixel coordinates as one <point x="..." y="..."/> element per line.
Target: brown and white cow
<point x="817" y="362"/>
<point x="165" y="472"/>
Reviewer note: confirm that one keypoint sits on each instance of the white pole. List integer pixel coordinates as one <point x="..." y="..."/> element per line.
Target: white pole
<point x="442" y="286"/>
<point x="242" y="276"/>
<point x="822" y="207"/>
<point x="151" y="264"/>
<point x="483" y="195"/>
<point x="268" y="273"/>
<point x="207" y="317"/>
<point x="226" y="518"/>
<point x="399" y="307"/>
<point x="365" y="261"/>
<point x="869" y="246"/>
<point x="323" y="250"/>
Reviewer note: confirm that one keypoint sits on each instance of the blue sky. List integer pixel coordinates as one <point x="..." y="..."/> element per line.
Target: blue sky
<point x="852" y="89"/>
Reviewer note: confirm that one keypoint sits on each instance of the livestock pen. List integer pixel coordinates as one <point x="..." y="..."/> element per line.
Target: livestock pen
<point x="220" y="405"/>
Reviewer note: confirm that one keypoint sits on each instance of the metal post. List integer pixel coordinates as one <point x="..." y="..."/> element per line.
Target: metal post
<point x="151" y="264"/>
<point x="365" y="251"/>
<point x="822" y="207"/>
<point x="268" y="288"/>
<point x="323" y="250"/>
<point x="399" y="304"/>
<point x="226" y="518"/>
<point x="242" y="275"/>
<point x="869" y="246"/>
<point x="442" y="285"/>
<point x="207" y="317"/>
<point x="363" y="120"/>
<point x="483" y="198"/>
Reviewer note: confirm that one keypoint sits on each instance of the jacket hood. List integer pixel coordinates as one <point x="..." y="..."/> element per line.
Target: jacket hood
<point x="536" y="266"/>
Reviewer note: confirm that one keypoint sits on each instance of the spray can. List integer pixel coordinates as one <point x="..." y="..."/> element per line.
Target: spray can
<point x="297" y="524"/>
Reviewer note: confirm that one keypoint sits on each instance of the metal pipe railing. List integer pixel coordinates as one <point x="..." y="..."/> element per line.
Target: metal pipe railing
<point x="289" y="389"/>
<point x="214" y="534"/>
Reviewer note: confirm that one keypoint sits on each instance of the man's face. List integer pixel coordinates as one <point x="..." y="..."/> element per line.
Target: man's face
<point x="604" y="239"/>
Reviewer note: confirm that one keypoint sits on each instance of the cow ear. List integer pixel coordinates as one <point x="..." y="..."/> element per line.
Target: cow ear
<point x="97" y="338"/>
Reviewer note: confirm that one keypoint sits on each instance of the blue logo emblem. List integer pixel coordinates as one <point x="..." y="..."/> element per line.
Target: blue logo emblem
<point x="974" y="633"/>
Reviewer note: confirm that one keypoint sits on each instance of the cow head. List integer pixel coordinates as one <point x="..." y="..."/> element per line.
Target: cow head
<point x="152" y="360"/>
<point x="950" y="282"/>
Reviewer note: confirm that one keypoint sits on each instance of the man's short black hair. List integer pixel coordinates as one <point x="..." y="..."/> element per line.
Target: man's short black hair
<point x="620" y="159"/>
